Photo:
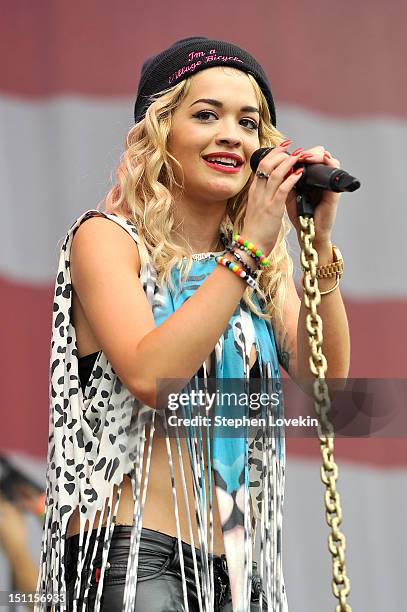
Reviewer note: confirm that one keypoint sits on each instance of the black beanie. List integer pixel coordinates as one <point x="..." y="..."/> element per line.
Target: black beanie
<point x="188" y="56"/>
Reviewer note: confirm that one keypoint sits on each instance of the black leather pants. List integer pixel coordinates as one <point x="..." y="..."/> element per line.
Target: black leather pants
<point x="159" y="581"/>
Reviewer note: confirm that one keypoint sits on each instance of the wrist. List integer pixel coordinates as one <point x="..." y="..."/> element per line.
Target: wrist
<point x="247" y="258"/>
<point x="319" y="244"/>
<point x="329" y="268"/>
<point x="325" y="253"/>
<point x="238" y="268"/>
<point x="322" y="247"/>
<point x="265" y="249"/>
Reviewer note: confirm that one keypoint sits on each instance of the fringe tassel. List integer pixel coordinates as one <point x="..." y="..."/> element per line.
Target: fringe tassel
<point x="191" y="535"/>
<point x="110" y="523"/>
<point x="198" y="460"/>
<point x="174" y="495"/>
<point x="92" y="559"/>
<point x="130" y="589"/>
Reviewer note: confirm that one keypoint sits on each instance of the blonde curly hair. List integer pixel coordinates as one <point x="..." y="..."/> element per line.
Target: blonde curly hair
<point x="144" y="191"/>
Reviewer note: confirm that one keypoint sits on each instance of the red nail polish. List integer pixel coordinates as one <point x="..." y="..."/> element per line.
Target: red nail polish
<point x="305" y="156"/>
<point x="299" y="171"/>
<point x="286" y="142"/>
<point x="296" y="151"/>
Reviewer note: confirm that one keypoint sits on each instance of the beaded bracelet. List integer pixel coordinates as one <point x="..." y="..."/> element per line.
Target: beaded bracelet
<point x="248" y="246"/>
<point x="240" y="260"/>
<point x="243" y="248"/>
<point x="220" y="259"/>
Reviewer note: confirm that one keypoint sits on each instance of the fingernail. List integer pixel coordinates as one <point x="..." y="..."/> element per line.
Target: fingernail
<point x="328" y="155"/>
<point x="299" y="171"/>
<point x="296" y="151"/>
<point x="286" y="142"/>
<point x="305" y="156"/>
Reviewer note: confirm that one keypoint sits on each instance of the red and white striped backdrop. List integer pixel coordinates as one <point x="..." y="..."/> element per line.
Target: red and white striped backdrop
<point x="67" y="86"/>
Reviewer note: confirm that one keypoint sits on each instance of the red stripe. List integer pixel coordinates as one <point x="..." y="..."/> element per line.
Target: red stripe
<point x="24" y="362"/>
<point x="378" y="330"/>
<point x="378" y="350"/>
<point x="329" y="58"/>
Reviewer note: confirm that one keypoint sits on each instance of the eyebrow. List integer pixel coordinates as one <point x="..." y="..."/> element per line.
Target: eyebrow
<point x="244" y="109"/>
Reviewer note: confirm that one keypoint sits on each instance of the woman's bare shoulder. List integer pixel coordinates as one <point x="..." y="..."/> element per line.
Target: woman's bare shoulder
<point x="101" y="234"/>
<point x="105" y="267"/>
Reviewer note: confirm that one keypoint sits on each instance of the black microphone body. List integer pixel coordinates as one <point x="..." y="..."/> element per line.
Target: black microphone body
<point x="314" y="175"/>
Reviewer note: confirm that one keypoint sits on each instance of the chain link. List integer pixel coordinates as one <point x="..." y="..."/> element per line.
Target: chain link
<point x="322" y="403"/>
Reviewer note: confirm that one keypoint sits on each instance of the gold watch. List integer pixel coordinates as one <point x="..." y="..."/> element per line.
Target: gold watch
<point x="333" y="269"/>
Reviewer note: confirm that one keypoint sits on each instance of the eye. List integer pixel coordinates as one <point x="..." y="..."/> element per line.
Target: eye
<point x="252" y="124"/>
<point x="199" y="115"/>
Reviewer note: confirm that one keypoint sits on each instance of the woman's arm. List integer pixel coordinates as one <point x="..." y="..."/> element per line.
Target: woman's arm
<point x="336" y="340"/>
<point x="105" y="268"/>
<point x="294" y="343"/>
<point x="292" y="337"/>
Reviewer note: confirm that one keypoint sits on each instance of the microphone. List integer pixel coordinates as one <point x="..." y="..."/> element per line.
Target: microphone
<point x="314" y="175"/>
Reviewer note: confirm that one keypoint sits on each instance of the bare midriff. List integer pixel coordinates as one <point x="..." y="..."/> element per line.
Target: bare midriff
<point x="159" y="513"/>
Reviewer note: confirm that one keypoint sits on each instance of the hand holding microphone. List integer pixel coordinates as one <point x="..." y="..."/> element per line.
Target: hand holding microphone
<point x="319" y="183"/>
<point x="267" y="196"/>
<point x="314" y="175"/>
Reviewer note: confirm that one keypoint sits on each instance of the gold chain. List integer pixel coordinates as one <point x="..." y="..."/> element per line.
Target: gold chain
<point x="322" y="404"/>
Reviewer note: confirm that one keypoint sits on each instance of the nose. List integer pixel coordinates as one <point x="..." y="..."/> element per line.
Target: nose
<point x="228" y="134"/>
<point x="229" y="140"/>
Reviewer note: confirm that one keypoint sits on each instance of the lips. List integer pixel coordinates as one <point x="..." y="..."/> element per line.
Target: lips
<point x="221" y="168"/>
<point x="209" y="160"/>
<point x="220" y="154"/>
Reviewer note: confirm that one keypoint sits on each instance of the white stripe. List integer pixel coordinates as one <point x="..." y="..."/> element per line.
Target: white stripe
<point x="58" y="156"/>
<point x="374" y="508"/>
<point x="370" y="225"/>
<point x="56" y="161"/>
